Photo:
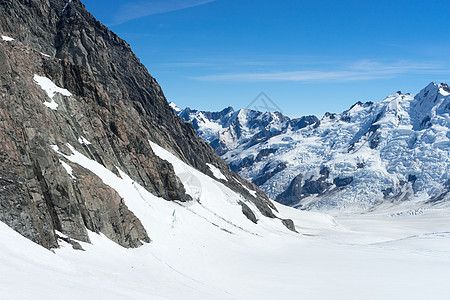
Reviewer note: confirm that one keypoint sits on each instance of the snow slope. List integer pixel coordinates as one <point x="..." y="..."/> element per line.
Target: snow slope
<point x="374" y="153"/>
<point x="371" y="257"/>
<point x="215" y="204"/>
<point x="207" y="249"/>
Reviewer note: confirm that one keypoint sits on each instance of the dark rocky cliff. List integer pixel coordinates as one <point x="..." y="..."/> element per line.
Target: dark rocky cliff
<point x="116" y="105"/>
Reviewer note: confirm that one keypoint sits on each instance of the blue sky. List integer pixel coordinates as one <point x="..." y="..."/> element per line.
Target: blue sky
<point x="308" y="56"/>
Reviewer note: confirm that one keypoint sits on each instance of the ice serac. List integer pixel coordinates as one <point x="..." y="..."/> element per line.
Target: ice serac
<point x="105" y="105"/>
<point x="372" y="154"/>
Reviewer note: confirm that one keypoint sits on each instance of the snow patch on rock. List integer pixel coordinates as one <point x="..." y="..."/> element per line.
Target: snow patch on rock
<point x="83" y="140"/>
<point x="51" y="89"/>
<point x="7" y="38"/>
<point x="216" y="172"/>
<point x="68" y="169"/>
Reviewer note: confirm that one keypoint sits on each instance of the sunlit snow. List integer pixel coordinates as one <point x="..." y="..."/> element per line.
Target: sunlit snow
<point x="391" y="150"/>
<point x="68" y="169"/>
<point x="51" y="89"/>
<point x="175" y="107"/>
<point x="207" y="249"/>
<point x="7" y="38"/>
<point x="216" y="172"/>
<point x="83" y="140"/>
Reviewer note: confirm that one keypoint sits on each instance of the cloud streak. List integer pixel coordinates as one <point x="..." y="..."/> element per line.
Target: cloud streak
<point x="361" y="70"/>
<point x="136" y="10"/>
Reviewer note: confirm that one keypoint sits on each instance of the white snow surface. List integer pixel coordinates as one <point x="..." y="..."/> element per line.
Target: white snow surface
<point x="7" y="38"/>
<point x="174" y="107"/>
<point x="83" y="140"/>
<point x="68" y="169"/>
<point x="394" y="150"/>
<point x="52" y="105"/>
<point x="366" y="257"/>
<point x="216" y="172"/>
<point x="207" y="249"/>
<point x="51" y="89"/>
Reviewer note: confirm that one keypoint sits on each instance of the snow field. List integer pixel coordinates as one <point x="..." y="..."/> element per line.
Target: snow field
<point x="207" y="249"/>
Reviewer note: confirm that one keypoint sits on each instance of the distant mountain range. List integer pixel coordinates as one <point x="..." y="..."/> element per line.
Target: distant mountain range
<point x="391" y="151"/>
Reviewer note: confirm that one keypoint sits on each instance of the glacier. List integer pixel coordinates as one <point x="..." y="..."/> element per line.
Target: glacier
<point x="371" y="155"/>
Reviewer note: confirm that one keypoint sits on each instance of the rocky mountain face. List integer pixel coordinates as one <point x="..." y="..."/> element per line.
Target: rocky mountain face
<point x="68" y="83"/>
<point x="396" y="150"/>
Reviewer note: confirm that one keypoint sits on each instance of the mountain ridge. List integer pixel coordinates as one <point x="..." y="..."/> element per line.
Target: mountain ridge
<point x="316" y="164"/>
<point x="112" y="109"/>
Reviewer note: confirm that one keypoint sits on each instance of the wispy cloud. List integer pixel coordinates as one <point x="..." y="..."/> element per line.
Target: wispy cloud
<point x="186" y="64"/>
<point x="361" y="70"/>
<point x="290" y="76"/>
<point x="136" y="10"/>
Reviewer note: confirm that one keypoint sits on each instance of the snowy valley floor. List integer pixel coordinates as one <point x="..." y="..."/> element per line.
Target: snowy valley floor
<point x="208" y="249"/>
<point x="364" y="257"/>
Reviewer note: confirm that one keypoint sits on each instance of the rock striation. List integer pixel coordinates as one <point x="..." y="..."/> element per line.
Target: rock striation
<point x="112" y="108"/>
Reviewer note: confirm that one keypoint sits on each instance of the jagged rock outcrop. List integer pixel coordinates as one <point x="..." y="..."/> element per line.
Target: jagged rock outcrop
<point x="111" y="109"/>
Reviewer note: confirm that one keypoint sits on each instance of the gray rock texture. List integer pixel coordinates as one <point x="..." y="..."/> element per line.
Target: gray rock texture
<point x="116" y="105"/>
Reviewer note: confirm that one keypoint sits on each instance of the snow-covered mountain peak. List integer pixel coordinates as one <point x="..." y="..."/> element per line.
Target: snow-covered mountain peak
<point x="444" y="89"/>
<point x="432" y="106"/>
<point x="433" y="93"/>
<point x="393" y="150"/>
<point x="175" y="107"/>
